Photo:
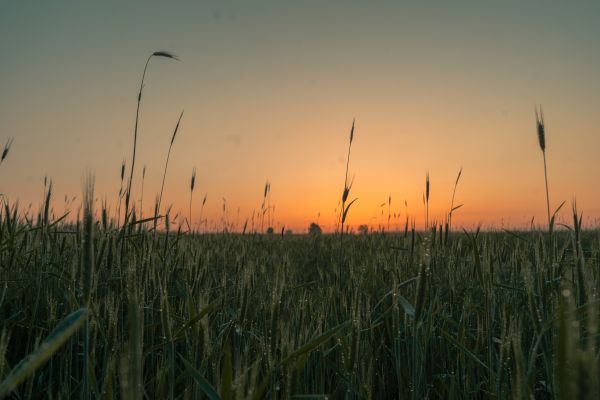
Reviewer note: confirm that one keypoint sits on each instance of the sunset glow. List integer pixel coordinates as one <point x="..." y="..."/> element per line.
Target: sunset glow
<point x="270" y="92"/>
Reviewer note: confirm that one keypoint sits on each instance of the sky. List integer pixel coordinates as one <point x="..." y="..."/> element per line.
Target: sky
<point x="270" y="90"/>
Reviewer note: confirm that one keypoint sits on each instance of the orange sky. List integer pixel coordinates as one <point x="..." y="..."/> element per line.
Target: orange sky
<point x="270" y="92"/>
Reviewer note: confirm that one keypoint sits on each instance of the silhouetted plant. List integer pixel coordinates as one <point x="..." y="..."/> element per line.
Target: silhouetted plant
<point x="347" y="186"/>
<point x="164" y="54"/>
<point x="6" y="149"/>
<point x="452" y="208"/>
<point x="162" y="186"/>
<point x="541" y="131"/>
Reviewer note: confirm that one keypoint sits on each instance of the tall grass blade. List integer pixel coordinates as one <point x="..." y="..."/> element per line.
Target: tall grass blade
<point x="205" y="386"/>
<point x="63" y="331"/>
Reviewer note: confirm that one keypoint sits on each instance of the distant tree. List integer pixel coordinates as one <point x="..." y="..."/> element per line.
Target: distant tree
<point x="289" y="232"/>
<point x="270" y="230"/>
<point x="363" y="229"/>
<point x="314" y="229"/>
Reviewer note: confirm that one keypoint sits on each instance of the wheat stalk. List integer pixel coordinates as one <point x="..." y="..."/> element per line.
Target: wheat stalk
<point x="452" y="208"/>
<point x="426" y="200"/>
<point x="164" y="54"/>
<point x="347" y="186"/>
<point x="192" y="183"/>
<point x="541" y="131"/>
<point x="162" y="187"/>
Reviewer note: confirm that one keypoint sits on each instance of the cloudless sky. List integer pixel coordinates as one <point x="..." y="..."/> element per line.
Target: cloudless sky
<point x="270" y="89"/>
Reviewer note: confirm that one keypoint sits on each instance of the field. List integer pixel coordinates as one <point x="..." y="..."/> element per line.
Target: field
<point x="108" y="312"/>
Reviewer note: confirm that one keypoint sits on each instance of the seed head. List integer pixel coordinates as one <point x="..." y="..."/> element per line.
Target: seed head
<point x="122" y="170"/>
<point x="176" y="128"/>
<point x="345" y="194"/>
<point x="541" y="130"/>
<point x="427" y="187"/>
<point x="165" y="54"/>
<point x="458" y="176"/>
<point x="6" y="149"/>
<point x="193" y="180"/>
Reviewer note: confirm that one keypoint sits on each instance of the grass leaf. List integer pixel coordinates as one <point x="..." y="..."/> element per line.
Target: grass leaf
<point x="63" y="331"/>
<point x="206" y="387"/>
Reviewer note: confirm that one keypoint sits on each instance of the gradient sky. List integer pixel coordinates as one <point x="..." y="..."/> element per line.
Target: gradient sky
<point x="270" y="90"/>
